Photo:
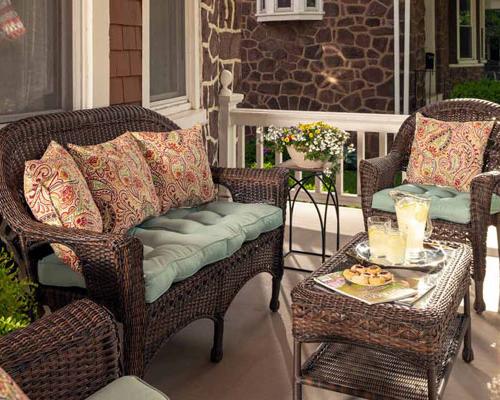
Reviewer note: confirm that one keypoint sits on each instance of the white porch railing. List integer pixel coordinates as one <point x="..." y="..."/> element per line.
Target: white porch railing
<point x="232" y="132"/>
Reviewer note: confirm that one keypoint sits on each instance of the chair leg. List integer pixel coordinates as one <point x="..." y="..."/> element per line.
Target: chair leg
<point x="431" y="383"/>
<point x="467" y="352"/>
<point x="275" y="297"/>
<point x="217" y="349"/>
<point x="133" y="356"/>
<point x="478" y="239"/>
<point x="479" y="304"/>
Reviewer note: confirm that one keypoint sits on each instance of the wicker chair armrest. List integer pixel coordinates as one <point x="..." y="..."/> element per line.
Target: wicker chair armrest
<point x="377" y="174"/>
<point x="482" y="188"/>
<point x="111" y="266"/>
<point x="254" y="185"/>
<point x="66" y="355"/>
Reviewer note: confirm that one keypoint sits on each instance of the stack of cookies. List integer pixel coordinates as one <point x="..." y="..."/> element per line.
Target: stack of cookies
<point x="368" y="276"/>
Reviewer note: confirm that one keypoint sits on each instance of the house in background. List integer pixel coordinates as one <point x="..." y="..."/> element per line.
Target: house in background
<point x="329" y="55"/>
<point x="345" y="60"/>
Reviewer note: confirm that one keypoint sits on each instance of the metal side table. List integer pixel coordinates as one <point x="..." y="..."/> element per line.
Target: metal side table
<point x="299" y="184"/>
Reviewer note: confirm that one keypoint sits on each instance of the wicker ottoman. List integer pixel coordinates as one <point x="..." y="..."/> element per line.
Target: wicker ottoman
<point x="384" y="351"/>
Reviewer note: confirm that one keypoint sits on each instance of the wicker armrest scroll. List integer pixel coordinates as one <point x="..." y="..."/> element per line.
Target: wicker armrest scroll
<point x="66" y="355"/>
<point x="254" y="185"/>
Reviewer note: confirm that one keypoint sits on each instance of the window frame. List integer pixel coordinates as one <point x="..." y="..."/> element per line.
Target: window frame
<point x="474" y="26"/>
<point x="192" y="99"/>
<point x="298" y="11"/>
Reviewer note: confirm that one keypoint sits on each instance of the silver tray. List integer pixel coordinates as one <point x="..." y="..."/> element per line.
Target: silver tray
<point x="434" y="256"/>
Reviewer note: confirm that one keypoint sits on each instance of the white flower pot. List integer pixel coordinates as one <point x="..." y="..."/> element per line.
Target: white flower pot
<point x="299" y="158"/>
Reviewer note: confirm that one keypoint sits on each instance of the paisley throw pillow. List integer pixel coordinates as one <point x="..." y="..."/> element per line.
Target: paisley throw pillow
<point x="9" y="389"/>
<point x="448" y="153"/>
<point x="179" y="164"/>
<point x="120" y="181"/>
<point x="58" y="195"/>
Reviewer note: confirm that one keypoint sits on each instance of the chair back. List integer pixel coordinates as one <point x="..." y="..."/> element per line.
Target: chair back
<point x="457" y="110"/>
<point x="28" y="139"/>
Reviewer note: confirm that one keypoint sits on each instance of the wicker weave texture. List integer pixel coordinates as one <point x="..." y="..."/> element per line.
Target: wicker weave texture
<point x="70" y="354"/>
<point x="112" y="264"/>
<point x="380" y="173"/>
<point x="416" y="332"/>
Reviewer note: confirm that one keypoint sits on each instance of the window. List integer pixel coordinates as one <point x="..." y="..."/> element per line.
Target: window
<point x="36" y="64"/>
<point x="471" y="31"/>
<point x="171" y="56"/>
<point x="466" y="28"/>
<point x="284" y="4"/>
<point x="167" y="50"/>
<point x="286" y="10"/>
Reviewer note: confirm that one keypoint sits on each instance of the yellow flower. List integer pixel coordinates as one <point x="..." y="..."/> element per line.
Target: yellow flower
<point x="311" y="135"/>
<point x="287" y="140"/>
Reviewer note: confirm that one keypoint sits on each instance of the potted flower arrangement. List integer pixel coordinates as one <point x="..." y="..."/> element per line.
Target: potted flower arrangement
<point x="315" y="145"/>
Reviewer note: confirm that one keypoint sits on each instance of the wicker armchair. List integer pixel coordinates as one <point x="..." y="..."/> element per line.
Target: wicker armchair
<point x="70" y="354"/>
<point x="112" y="264"/>
<point x="379" y="173"/>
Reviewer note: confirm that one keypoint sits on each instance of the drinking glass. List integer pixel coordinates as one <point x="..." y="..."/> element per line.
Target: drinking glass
<point x="377" y="227"/>
<point x="396" y="245"/>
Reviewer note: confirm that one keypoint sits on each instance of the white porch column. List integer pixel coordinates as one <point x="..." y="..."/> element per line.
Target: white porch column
<point x="406" y="89"/>
<point x="227" y="130"/>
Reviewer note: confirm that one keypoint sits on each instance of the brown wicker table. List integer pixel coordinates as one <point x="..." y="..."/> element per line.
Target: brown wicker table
<point x="384" y="351"/>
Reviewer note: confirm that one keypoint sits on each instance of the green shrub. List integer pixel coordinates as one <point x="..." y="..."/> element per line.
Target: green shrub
<point x="486" y="89"/>
<point x="17" y="300"/>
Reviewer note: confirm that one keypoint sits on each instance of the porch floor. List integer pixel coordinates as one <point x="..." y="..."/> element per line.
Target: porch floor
<point x="257" y="362"/>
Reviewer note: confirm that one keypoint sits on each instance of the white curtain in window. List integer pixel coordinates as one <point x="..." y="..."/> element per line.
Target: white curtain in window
<point x="35" y="67"/>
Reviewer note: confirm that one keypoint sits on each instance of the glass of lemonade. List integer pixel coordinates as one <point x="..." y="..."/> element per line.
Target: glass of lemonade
<point x="377" y="227"/>
<point x="413" y="215"/>
<point x="396" y="246"/>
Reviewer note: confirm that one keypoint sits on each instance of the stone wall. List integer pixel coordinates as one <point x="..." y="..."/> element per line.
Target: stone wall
<point x="342" y="63"/>
<point x="125" y="33"/>
<point x="221" y="50"/>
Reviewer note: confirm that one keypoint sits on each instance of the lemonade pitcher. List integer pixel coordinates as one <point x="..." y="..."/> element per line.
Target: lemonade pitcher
<point x="414" y="221"/>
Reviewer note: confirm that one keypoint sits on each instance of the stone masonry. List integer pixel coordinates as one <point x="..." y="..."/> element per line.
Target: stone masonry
<point x="221" y="50"/>
<point x="343" y="63"/>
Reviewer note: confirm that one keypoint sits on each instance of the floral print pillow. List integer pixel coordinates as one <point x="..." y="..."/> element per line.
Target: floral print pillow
<point x="58" y="195"/>
<point x="120" y="181"/>
<point x="9" y="389"/>
<point x="448" y="153"/>
<point x="179" y="164"/>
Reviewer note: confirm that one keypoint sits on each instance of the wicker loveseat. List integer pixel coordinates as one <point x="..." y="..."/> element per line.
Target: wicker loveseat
<point x="112" y="265"/>
<point x="458" y="216"/>
<point x="73" y="354"/>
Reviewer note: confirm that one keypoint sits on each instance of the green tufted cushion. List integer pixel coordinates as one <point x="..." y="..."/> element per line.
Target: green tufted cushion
<point x="181" y="242"/>
<point x="447" y="204"/>
<point x="130" y="388"/>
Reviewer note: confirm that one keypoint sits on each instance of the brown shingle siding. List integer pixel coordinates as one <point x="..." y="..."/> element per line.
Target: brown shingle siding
<point x="126" y="55"/>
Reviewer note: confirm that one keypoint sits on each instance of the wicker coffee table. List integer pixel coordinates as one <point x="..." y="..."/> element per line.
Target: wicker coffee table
<point x="384" y="351"/>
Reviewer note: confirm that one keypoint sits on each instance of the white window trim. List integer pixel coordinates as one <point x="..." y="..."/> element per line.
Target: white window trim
<point x="482" y="30"/>
<point x="297" y="11"/>
<point x="185" y="107"/>
<point x="474" y="58"/>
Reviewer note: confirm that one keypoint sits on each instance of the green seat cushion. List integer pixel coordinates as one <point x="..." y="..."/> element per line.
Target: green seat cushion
<point x="181" y="242"/>
<point x="130" y="388"/>
<point x="447" y="204"/>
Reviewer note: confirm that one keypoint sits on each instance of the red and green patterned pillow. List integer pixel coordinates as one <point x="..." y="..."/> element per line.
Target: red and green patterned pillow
<point x="120" y="181"/>
<point x="9" y="389"/>
<point x="179" y="164"/>
<point x="58" y="195"/>
<point x="448" y="153"/>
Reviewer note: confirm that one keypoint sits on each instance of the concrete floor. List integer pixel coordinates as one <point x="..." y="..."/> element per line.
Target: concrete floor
<point x="258" y="344"/>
